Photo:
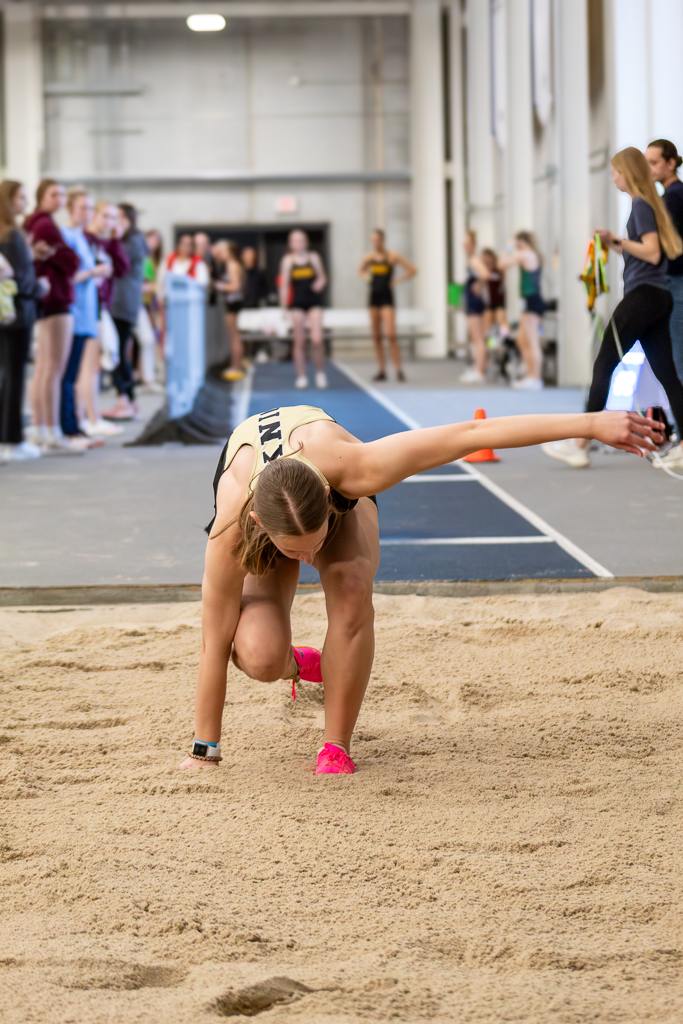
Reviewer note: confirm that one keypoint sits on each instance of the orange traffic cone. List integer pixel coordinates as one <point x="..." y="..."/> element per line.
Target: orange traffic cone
<point x="485" y="454"/>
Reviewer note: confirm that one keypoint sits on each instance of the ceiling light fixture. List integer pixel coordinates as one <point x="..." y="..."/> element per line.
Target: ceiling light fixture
<point x="206" y="22"/>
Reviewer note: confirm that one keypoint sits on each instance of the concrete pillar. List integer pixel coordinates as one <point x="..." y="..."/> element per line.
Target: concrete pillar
<point x="519" y="150"/>
<point x="480" y="141"/>
<point x="572" y="113"/>
<point x="666" y="34"/>
<point x="23" y="87"/>
<point x="457" y="169"/>
<point x="429" y="205"/>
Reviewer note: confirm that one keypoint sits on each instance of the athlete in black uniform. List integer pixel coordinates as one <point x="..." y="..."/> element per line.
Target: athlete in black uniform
<point x="302" y="274"/>
<point x="377" y="268"/>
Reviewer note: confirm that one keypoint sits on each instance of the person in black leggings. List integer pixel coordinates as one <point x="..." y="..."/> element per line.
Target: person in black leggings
<point x="643" y="314"/>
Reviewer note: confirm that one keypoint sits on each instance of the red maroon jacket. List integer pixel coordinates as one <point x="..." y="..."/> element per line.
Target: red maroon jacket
<point x="119" y="260"/>
<point x="58" y="268"/>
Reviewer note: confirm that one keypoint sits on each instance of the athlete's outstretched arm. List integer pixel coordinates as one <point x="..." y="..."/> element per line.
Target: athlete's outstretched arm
<point x="376" y="466"/>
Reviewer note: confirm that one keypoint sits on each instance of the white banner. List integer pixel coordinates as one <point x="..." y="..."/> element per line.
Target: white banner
<point x="541" y="48"/>
<point x="499" y="72"/>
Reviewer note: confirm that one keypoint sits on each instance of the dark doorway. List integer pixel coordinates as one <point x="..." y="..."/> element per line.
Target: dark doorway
<point x="270" y="241"/>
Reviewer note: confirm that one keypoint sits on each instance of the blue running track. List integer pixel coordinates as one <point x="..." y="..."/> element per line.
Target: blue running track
<point x="446" y="524"/>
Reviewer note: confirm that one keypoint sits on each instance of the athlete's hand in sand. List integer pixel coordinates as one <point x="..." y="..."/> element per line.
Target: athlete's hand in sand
<point x="629" y="431"/>
<point x="192" y="762"/>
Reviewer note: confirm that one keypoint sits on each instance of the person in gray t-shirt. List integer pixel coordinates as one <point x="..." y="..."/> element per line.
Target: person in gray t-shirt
<point x="637" y="270"/>
<point x="643" y="313"/>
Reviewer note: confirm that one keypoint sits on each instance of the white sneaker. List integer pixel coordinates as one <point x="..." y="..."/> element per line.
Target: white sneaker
<point x="672" y="460"/>
<point x="301" y="382"/>
<point x="25" y="450"/>
<point x="321" y="379"/>
<point x="569" y="452"/>
<point x="5" y="454"/>
<point x="472" y="376"/>
<point x="528" y="384"/>
<point x="61" y="446"/>
<point x="102" y="428"/>
<point x="34" y="435"/>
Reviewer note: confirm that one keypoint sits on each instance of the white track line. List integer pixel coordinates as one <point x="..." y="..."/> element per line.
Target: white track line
<point x="458" y="478"/>
<point x="517" y="506"/>
<point x="431" y="541"/>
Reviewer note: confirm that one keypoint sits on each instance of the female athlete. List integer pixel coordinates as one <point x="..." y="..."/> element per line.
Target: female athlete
<point x="302" y="272"/>
<point x="292" y="485"/>
<point x="377" y="269"/>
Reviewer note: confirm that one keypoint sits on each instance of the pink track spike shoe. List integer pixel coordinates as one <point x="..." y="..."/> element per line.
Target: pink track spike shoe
<point x="334" y="761"/>
<point x="308" y="665"/>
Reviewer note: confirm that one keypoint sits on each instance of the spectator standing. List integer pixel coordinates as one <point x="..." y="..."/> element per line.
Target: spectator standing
<point x="15" y="337"/>
<point x="85" y="308"/>
<point x="644" y="312"/>
<point x="184" y="262"/>
<point x="525" y="254"/>
<point x="494" y="296"/>
<point x="150" y="285"/>
<point x="125" y="307"/>
<point x="102" y="236"/>
<point x="377" y="269"/>
<point x="231" y="284"/>
<point x="202" y="247"/>
<point x="474" y="311"/>
<point x="255" y="283"/>
<point x="664" y="161"/>
<point x="58" y="263"/>
<point x="303" y="275"/>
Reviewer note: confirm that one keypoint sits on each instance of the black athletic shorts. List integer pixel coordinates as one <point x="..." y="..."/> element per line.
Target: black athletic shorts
<point x="381" y="298"/>
<point x="533" y="304"/>
<point x="306" y="305"/>
<point x="474" y="304"/>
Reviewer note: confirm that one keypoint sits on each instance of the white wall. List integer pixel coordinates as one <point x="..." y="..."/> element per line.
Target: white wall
<point x="268" y="96"/>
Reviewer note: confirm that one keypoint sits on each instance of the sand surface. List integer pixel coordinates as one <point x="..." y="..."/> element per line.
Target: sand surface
<point x="509" y="849"/>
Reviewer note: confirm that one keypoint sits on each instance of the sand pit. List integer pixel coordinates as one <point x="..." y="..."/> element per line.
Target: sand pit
<point x="509" y="850"/>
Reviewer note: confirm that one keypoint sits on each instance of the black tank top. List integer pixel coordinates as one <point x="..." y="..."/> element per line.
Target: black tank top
<point x="302" y="276"/>
<point x="380" y="283"/>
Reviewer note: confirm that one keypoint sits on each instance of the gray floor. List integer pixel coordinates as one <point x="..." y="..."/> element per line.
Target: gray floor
<point x="120" y="515"/>
<point x="625" y="514"/>
<point x="114" y="515"/>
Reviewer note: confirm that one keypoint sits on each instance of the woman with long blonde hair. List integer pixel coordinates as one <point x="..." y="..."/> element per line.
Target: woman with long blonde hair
<point x="58" y="264"/>
<point x="643" y="313"/>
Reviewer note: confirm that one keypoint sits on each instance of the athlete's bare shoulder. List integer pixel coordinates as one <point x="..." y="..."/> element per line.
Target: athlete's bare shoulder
<point x="319" y="433"/>
<point x="327" y="445"/>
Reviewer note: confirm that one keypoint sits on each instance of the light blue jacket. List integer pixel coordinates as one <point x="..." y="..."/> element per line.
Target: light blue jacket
<point x="84" y="308"/>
